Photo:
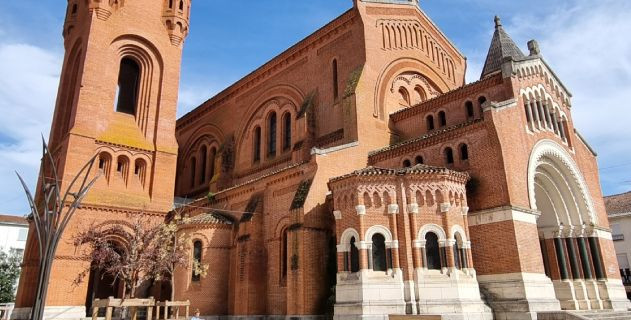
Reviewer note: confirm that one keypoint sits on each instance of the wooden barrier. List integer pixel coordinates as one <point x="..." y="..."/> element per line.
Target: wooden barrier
<point x="175" y="305"/>
<point x="110" y="304"/>
<point x="5" y="311"/>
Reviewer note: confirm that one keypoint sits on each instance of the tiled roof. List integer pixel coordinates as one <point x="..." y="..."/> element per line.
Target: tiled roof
<point x="617" y="204"/>
<point x="213" y="217"/>
<point x="502" y="46"/>
<point x="417" y="169"/>
<point x="6" y="219"/>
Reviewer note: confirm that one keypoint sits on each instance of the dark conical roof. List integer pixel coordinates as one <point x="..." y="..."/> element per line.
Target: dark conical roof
<point x="502" y="46"/>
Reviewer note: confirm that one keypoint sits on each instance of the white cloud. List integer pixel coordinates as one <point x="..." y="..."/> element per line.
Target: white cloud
<point x="28" y="87"/>
<point x="191" y="96"/>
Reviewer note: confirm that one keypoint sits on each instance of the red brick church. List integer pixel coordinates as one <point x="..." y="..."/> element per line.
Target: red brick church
<point x="356" y="169"/>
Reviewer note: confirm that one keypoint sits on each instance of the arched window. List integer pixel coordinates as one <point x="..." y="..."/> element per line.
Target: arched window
<point x="432" y="251"/>
<point x="404" y="97"/>
<point x="354" y="252"/>
<point x="379" y="253"/>
<point x="430" y="122"/>
<point x="122" y="167"/>
<point x="481" y="100"/>
<point x="442" y="118"/>
<point x="257" y="144"/>
<point x="464" y="152"/>
<point x="271" y="135"/>
<point x="74" y="9"/>
<point x="140" y="170"/>
<point x="335" y="80"/>
<point x="105" y="163"/>
<point x="449" y="156"/>
<point x="420" y="95"/>
<point x="193" y="164"/>
<point x="197" y="259"/>
<point x="407" y="163"/>
<point x="286" y="131"/>
<point x="212" y="159"/>
<point x="204" y="157"/>
<point x="469" y="109"/>
<point x="181" y="5"/>
<point x="419" y="160"/>
<point x="170" y="4"/>
<point x="128" y="82"/>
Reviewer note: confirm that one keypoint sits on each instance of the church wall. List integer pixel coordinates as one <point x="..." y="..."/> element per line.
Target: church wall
<point x="210" y="293"/>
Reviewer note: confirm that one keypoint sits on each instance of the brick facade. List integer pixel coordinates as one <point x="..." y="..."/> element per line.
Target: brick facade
<point x="385" y="89"/>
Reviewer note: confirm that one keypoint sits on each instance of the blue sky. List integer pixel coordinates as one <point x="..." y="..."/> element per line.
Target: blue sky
<point x="585" y="41"/>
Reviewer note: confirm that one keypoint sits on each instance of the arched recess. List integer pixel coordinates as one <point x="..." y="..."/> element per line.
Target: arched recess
<point x="432" y="228"/>
<point x="397" y="67"/>
<point x="557" y="188"/>
<point x="151" y="64"/>
<point x="379" y="229"/>
<point x="457" y="229"/>
<point x="346" y="236"/>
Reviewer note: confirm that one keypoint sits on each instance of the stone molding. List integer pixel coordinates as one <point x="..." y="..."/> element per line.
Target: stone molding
<point x="502" y="214"/>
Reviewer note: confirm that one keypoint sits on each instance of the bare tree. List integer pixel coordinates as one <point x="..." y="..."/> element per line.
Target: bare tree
<point x="51" y="211"/>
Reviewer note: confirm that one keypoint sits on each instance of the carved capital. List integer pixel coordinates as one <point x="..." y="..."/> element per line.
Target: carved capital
<point x="337" y="214"/>
<point x="393" y="208"/>
<point x="361" y="210"/>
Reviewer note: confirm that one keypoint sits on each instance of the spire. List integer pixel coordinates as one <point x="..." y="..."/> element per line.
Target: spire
<point x="502" y="46"/>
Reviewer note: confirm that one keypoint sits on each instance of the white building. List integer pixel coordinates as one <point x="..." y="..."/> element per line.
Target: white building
<point x="13" y="233"/>
<point x="619" y="212"/>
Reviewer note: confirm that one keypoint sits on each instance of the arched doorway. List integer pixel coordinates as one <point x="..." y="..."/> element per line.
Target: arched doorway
<point x="571" y="254"/>
<point x="101" y="284"/>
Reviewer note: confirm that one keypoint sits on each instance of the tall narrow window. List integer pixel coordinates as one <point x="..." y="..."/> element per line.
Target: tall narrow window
<point x="203" y="156"/>
<point x="379" y="253"/>
<point x="286" y="131"/>
<point x="335" y="83"/>
<point x="404" y="97"/>
<point x="181" y="5"/>
<point x="407" y="163"/>
<point x="481" y="100"/>
<point x="464" y="152"/>
<point x="212" y="159"/>
<point x="430" y="122"/>
<point x="432" y="251"/>
<point x="257" y="144"/>
<point x="449" y="156"/>
<point x="354" y="256"/>
<point x="197" y="259"/>
<point x="469" y="109"/>
<point x="170" y="4"/>
<point x="283" y="255"/>
<point x="419" y="160"/>
<point x="442" y="118"/>
<point x="193" y="164"/>
<point x="128" y="81"/>
<point x="271" y="135"/>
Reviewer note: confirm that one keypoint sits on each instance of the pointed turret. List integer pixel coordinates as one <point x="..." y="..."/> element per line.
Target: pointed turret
<point x="502" y="46"/>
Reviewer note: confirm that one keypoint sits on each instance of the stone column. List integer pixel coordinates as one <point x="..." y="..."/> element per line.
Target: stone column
<point x="596" y="258"/>
<point x="560" y="257"/>
<point x="364" y="256"/>
<point x="533" y="106"/>
<point x="413" y="211"/>
<point x="393" y="209"/>
<point x="574" y="266"/>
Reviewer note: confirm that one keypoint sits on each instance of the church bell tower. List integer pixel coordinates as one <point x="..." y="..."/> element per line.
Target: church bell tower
<point x="117" y="99"/>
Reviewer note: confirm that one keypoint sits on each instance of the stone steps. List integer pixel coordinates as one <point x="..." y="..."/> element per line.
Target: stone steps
<point x="604" y="315"/>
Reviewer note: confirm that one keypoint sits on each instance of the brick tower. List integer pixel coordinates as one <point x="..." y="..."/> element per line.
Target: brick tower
<point x="117" y="98"/>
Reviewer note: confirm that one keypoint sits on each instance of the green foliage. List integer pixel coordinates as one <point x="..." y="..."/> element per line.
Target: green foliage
<point x="9" y="274"/>
<point x="301" y="195"/>
<point x="211" y="197"/>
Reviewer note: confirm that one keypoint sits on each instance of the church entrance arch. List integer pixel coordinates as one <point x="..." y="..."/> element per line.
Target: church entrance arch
<point x="101" y="284"/>
<point x="571" y="255"/>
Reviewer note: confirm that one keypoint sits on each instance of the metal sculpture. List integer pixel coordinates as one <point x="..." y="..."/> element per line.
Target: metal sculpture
<point x="51" y="212"/>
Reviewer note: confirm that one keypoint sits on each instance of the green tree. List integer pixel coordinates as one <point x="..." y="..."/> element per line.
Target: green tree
<point x="9" y="274"/>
